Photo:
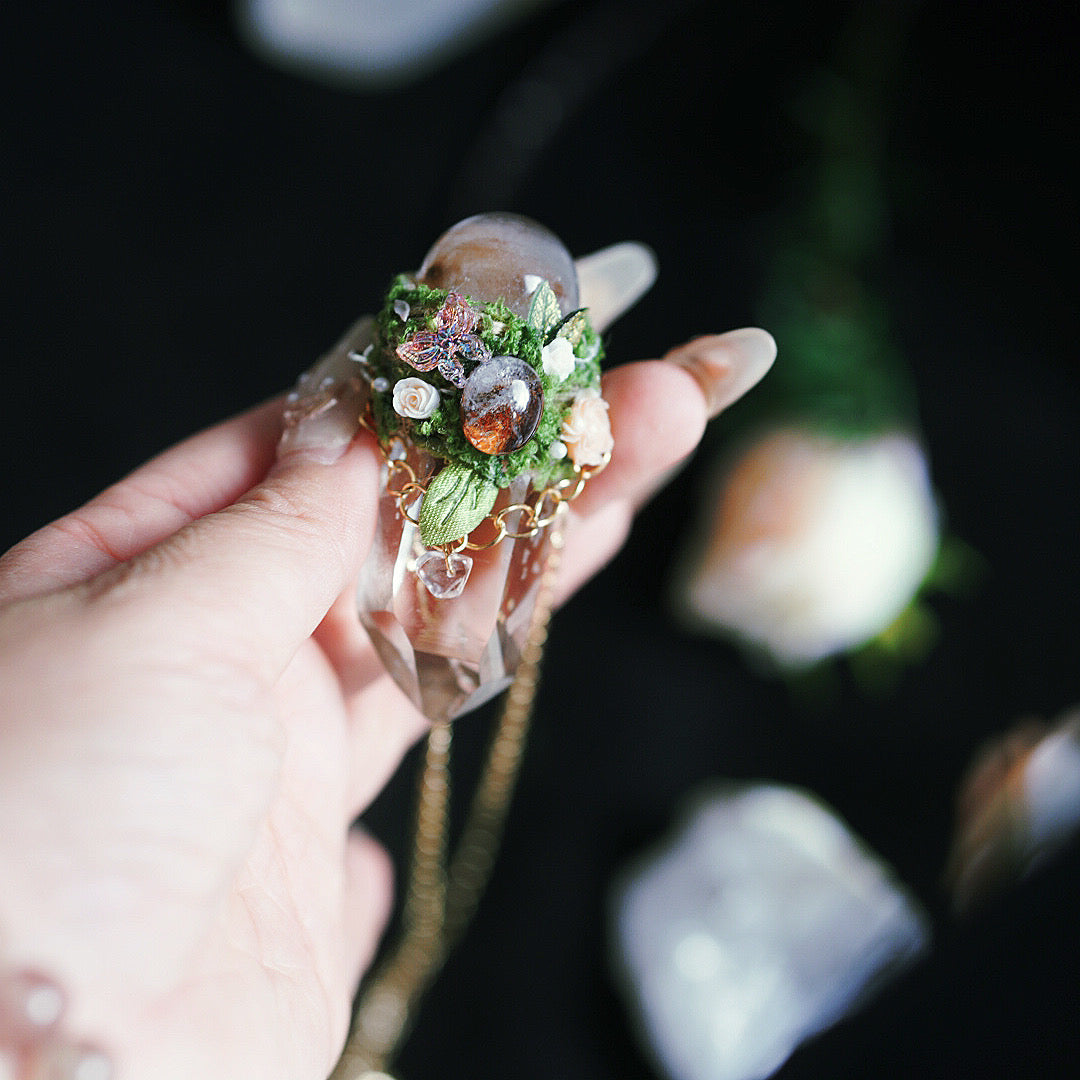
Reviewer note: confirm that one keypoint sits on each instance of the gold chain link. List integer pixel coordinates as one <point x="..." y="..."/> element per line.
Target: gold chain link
<point x="541" y="511"/>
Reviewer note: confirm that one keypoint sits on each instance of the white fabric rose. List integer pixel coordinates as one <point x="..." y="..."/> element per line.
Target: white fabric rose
<point x="816" y="544"/>
<point x="415" y="399"/>
<point x="558" y="358"/>
<point x="586" y="431"/>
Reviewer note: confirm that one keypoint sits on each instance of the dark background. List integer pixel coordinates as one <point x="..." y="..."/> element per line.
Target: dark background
<point x="185" y="228"/>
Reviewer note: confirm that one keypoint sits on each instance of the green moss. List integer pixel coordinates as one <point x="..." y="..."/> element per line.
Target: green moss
<point x="505" y="334"/>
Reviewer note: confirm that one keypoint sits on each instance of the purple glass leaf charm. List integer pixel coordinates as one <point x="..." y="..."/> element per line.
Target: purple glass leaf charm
<point x="448" y="344"/>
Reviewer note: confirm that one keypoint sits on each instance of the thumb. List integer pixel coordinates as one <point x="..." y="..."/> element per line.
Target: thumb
<point x="254" y="579"/>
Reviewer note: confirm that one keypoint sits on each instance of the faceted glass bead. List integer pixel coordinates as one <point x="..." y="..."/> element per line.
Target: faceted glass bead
<point x="501" y="405"/>
<point x="444" y="575"/>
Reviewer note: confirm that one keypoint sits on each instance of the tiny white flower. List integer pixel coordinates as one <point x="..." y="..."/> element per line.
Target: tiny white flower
<point x="402" y="309"/>
<point x="558" y="450"/>
<point x="532" y="283"/>
<point x="415" y="399"/>
<point x="558" y="358"/>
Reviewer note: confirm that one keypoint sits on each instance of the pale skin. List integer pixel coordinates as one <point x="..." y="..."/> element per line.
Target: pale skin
<point x="191" y="719"/>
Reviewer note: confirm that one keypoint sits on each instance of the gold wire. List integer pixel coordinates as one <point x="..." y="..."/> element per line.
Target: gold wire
<point x="533" y="516"/>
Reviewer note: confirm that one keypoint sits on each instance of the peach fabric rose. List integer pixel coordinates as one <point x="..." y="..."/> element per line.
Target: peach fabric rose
<point x="586" y="431"/>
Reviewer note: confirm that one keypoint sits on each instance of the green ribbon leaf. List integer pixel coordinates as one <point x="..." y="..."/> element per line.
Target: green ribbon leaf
<point x="544" y="311"/>
<point x="457" y="500"/>
<point x="572" y="328"/>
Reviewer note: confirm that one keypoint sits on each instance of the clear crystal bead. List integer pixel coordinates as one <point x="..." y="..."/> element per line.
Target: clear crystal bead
<point x="444" y="575"/>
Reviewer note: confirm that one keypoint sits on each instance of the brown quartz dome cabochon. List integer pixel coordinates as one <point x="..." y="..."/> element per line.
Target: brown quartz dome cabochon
<point x="489" y="256"/>
<point x="501" y="405"/>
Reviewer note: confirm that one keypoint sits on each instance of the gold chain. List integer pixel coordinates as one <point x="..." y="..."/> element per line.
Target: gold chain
<point x="441" y="896"/>
<point x="405" y="486"/>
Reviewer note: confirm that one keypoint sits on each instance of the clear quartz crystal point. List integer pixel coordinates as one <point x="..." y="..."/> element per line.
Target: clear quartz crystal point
<point x="493" y="256"/>
<point x="452" y="644"/>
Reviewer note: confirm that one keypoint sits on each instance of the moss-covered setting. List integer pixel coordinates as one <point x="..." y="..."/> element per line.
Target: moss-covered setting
<point x="505" y="334"/>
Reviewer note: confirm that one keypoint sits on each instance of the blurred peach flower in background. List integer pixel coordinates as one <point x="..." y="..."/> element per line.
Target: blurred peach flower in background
<point x="816" y="544"/>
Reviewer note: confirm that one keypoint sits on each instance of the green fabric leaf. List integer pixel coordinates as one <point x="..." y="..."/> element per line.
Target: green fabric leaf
<point x="544" y="311"/>
<point x="457" y="500"/>
<point x="573" y="327"/>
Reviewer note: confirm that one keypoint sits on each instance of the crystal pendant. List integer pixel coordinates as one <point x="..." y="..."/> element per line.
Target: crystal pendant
<point x="449" y="633"/>
<point x="450" y="642"/>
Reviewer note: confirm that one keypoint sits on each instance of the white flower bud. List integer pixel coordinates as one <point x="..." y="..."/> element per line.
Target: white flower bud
<point x="558" y="358"/>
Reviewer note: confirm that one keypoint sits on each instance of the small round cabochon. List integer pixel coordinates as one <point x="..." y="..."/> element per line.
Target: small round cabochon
<point x="501" y="405"/>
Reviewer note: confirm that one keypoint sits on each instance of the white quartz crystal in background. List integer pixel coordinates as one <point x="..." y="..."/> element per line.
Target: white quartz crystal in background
<point x="760" y="923"/>
<point x="371" y="43"/>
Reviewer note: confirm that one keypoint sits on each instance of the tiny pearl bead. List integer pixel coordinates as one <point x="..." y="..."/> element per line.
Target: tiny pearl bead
<point x="30" y="1007"/>
<point x="44" y="1005"/>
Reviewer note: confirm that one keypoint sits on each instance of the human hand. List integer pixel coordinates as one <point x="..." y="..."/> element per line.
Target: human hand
<point x="191" y="720"/>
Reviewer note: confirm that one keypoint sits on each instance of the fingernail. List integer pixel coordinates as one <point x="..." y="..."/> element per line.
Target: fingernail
<point x="725" y="366"/>
<point x="614" y="279"/>
<point x="322" y="412"/>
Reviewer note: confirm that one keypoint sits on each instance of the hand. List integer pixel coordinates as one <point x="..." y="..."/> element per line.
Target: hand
<point x="191" y="719"/>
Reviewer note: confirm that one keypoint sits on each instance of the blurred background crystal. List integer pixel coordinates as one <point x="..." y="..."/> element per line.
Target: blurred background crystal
<point x="371" y="43"/>
<point x="824" y="526"/>
<point x="1017" y="806"/>
<point x="762" y="922"/>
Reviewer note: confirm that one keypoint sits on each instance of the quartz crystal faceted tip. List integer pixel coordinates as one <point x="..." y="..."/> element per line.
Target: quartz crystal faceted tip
<point x="450" y="626"/>
<point x="501" y="256"/>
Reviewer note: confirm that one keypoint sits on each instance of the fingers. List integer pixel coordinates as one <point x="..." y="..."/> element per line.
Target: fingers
<point x="253" y="580"/>
<point x="725" y="366"/>
<point x="196" y="477"/>
<point x="368" y="896"/>
<point x="658" y="413"/>
<point x="613" y="279"/>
